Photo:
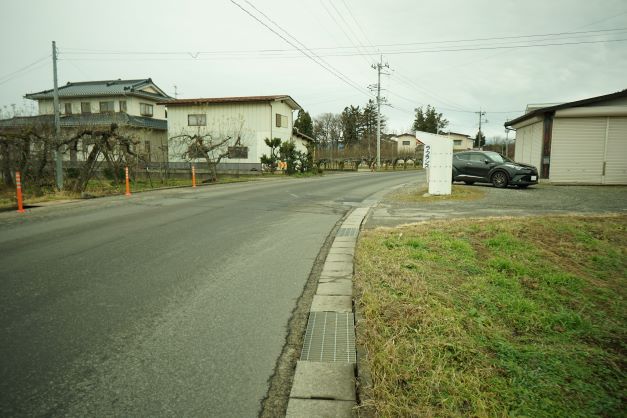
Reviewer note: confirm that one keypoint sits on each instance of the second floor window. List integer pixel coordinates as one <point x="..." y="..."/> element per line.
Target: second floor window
<point x="106" y="107"/>
<point x="123" y="106"/>
<point x="85" y="107"/>
<point x="457" y="142"/>
<point x="68" y="108"/>
<point x="197" y="120"/>
<point x="406" y="143"/>
<point x="145" y="109"/>
<point x="281" y="121"/>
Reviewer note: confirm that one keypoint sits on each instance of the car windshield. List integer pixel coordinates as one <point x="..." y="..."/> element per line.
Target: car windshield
<point x="498" y="158"/>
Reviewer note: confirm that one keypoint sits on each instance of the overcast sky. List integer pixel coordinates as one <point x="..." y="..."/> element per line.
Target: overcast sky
<point x="214" y="49"/>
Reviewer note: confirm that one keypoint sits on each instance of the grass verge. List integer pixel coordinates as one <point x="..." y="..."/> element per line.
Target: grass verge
<point x="509" y="317"/>
<point x="420" y="194"/>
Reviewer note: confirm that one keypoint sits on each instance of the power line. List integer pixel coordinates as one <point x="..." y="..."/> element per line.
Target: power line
<point x="327" y="67"/>
<point x="600" y="31"/>
<point x="352" y="15"/>
<point x="196" y="54"/>
<point x="355" y="44"/>
<point x="22" y="70"/>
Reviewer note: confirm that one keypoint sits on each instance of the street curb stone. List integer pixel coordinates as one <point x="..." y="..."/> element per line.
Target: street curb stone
<point x="316" y="380"/>
<point x="323" y="389"/>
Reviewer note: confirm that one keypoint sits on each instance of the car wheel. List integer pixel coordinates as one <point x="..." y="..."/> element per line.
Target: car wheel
<point x="499" y="179"/>
<point x="470" y="183"/>
<point x="523" y="186"/>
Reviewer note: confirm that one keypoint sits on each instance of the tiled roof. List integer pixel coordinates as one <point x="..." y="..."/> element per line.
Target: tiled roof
<point x="102" y="88"/>
<point x="239" y="99"/>
<point x="94" y="119"/>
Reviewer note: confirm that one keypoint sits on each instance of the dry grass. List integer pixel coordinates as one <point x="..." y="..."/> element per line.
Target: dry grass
<point x="420" y="194"/>
<point x="98" y="188"/>
<point x="516" y="317"/>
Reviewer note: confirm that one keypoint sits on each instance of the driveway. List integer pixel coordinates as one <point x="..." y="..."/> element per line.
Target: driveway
<point x="542" y="199"/>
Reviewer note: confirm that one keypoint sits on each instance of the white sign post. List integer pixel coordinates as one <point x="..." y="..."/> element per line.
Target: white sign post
<point x="437" y="161"/>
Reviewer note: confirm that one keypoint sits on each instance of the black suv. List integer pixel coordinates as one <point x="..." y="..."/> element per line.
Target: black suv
<point x="492" y="167"/>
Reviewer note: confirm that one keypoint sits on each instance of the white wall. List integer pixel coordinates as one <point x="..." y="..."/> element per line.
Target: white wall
<point x="404" y="150"/>
<point x="252" y="122"/>
<point x="529" y="144"/>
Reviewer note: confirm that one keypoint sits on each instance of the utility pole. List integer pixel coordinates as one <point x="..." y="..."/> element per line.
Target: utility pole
<point x="176" y="93"/>
<point x="57" y="121"/>
<point x="378" y="66"/>
<point x="481" y="115"/>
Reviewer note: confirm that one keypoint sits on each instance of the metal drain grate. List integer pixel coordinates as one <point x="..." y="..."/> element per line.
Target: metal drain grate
<point x="347" y="232"/>
<point x="330" y="337"/>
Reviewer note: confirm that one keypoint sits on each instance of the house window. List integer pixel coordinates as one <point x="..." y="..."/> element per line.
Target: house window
<point x="85" y="107"/>
<point x="68" y="108"/>
<point x="281" y="121"/>
<point x="145" y="109"/>
<point x="197" y="120"/>
<point x="123" y="106"/>
<point x="106" y="107"/>
<point x="406" y="143"/>
<point x="238" y="152"/>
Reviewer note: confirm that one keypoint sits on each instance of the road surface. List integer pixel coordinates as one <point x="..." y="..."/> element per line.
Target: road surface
<point x="169" y="303"/>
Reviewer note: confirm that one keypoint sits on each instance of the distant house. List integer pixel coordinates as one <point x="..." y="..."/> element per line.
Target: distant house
<point x="584" y="141"/>
<point x="247" y="121"/>
<point x="131" y="104"/>
<point x="407" y="145"/>
<point x="461" y="142"/>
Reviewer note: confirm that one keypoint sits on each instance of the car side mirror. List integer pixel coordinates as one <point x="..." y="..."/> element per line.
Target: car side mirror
<point x="486" y="161"/>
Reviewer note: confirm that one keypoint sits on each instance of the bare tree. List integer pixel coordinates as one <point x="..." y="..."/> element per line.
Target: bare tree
<point x="199" y="146"/>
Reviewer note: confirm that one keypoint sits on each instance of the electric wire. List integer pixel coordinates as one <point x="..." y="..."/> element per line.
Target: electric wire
<point x="23" y="70"/>
<point x="333" y="71"/>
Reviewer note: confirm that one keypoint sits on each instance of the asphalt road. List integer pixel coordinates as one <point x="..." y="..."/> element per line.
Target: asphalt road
<point x="169" y="303"/>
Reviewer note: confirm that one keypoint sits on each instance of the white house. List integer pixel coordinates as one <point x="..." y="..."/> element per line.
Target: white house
<point x="461" y="142"/>
<point x="248" y="121"/>
<point x="407" y="145"/>
<point x="584" y="141"/>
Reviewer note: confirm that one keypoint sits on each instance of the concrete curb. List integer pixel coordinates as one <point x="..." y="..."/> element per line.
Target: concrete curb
<point x="328" y="389"/>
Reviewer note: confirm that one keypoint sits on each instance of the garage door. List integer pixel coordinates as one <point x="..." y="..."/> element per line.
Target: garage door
<point x="616" y="152"/>
<point x="578" y="150"/>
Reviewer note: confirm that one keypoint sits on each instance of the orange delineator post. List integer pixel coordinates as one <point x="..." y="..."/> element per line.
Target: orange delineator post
<point x="128" y="186"/>
<point x="18" y="184"/>
<point x="193" y="176"/>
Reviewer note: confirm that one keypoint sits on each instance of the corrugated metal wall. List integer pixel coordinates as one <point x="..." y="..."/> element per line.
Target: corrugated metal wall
<point x="616" y="153"/>
<point x="529" y="144"/>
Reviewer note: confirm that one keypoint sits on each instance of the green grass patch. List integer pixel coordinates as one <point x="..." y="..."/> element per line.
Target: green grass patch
<point x="508" y="317"/>
<point x="420" y="194"/>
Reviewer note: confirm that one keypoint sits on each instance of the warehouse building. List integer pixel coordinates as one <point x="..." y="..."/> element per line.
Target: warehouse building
<point x="583" y="142"/>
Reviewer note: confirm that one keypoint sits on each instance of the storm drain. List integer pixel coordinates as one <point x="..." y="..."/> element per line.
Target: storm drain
<point x="330" y="337"/>
<point x="347" y="232"/>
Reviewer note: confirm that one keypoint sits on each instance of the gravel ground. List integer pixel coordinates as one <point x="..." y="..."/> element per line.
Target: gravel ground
<point x="541" y="199"/>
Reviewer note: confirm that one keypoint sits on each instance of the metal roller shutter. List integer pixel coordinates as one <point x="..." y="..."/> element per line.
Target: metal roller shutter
<point x="578" y="150"/>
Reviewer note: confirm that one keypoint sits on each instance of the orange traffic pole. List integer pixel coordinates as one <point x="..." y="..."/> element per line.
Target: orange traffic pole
<point x="193" y="176"/>
<point x="18" y="184"/>
<point x="128" y="186"/>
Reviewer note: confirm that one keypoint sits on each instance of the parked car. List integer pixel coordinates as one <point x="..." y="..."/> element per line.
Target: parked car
<point x="492" y="167"/>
